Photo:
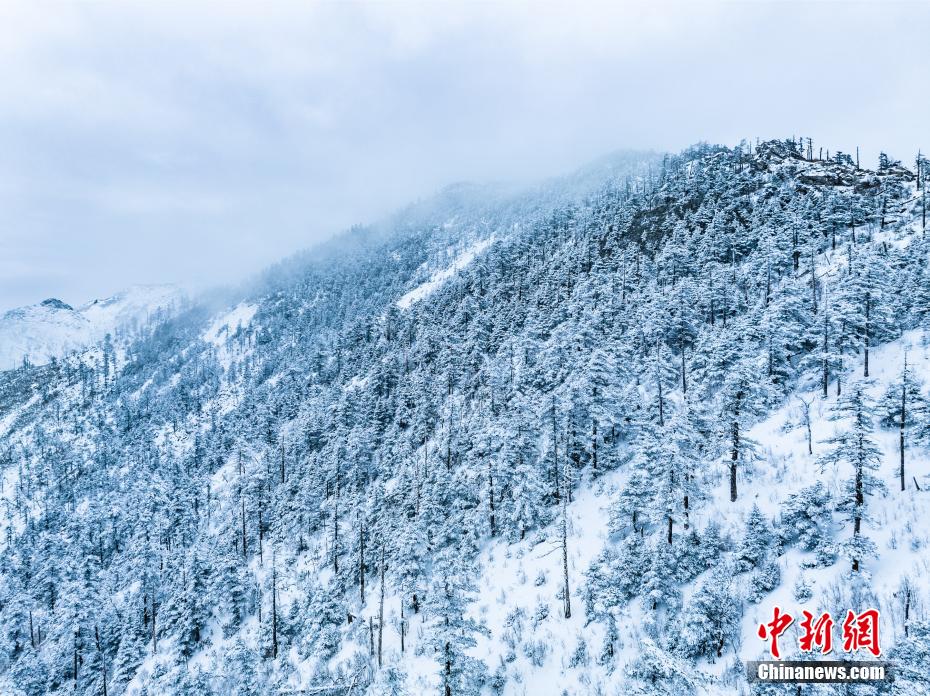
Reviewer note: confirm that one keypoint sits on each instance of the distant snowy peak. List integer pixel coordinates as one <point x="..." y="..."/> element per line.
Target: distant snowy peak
<point x="52" y="328"/>
<point x="55" y="303"/>
<point x="39" y="332"/>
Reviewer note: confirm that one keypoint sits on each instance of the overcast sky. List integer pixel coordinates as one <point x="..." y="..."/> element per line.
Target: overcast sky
<point x="196" y="143"/>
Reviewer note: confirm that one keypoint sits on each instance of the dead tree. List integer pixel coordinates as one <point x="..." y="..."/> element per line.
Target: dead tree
<point x="381" y="611"/>
<point x="903" y="419"/>
<point x="103" y="658"/>
<point x="402" y="626"/>
<point x="361" y="558"/>
<point x="274" y="606"/>
<point x="245" y="543"/>
<point x="565" y="483"/>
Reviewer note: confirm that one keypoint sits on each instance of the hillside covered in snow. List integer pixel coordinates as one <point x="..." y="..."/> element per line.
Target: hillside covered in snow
<point x="52" y="328"/>
<point x="576" y="439"/>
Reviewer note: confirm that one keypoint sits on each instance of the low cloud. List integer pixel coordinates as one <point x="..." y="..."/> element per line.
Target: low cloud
<point x="199" y="142"/>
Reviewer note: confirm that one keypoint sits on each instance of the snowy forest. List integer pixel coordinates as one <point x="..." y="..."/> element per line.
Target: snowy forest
<point x="577" y="438"/>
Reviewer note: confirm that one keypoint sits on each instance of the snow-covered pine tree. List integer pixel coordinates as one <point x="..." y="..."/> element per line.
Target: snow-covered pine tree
<point x="807" y="518"/>
<point x="910" y="658"/>
<point x="904" y="406"/>
<point x="711" y="620"/>
<point x="853" y="445"/>
<point x="757" y="541"/>
<point x="451" y="633"/>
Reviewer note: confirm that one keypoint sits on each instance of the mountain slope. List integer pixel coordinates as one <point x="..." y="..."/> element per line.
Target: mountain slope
<point x="381" y="467"/>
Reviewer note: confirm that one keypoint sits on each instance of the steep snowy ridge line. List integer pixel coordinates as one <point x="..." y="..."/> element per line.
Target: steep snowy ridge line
<point x="439" y="277"/>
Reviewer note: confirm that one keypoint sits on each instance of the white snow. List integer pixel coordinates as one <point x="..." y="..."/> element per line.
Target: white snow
<point x="136" y="304"/>
<point x="52" y="328"/>
<point x="6" y="422"/>
<point x="508" y="571"/>
<point x="898" y="518"/>
<point x="439" y="277"/>
<point x="226" y="324"/>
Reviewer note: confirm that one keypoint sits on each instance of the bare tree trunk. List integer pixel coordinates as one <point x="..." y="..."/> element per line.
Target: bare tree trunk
<point x="868" y="308"/>
<point x="245" y="554"/>
<point x="449" y="442"/>
<point x="555" y="450"/>
<point x="336" y="534"/>
<point x="659" y="383"/>
<point x="712" y="310"/>
<point x="839" y="362"/>
<point x="402" y="626"/>
<point x="903" y="418"/>
<point x="448" y="675"/>
<point x="813" y="278"/>
<point x="826" y="344"/>
<point x="361" y="559"/>
<point x="381" y="611"/>
<point x="768" y="279"/>
<point x="492" y="519"/>
<point x="261" y="535"/>
<point x="594" y="444"/>
<point x="623" y="282"/>
<point x="734" y="456"/>
<point x="274" y="607"/>
<point x="566" y="483"/>
<point x="857" y="515"/>
<point x="154" y="632"/>
<point x="684" y="380"/>
<point x="103" y="659"/>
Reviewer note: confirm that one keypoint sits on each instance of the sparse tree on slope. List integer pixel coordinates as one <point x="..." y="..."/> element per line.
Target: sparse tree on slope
<point x="451" y="633"/>
<point x="853" y="445"/>
<point x="903" y="406"/>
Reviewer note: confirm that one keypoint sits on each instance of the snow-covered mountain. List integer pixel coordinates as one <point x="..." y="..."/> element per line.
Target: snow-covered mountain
<point x="52" y="328"/>
<point x="578" y="440"/>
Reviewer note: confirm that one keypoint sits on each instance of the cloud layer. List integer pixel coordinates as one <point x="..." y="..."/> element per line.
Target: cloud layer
<point x="197" y="143"/>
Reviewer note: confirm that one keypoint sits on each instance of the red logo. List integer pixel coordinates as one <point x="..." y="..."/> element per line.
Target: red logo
<point x="817" y="634"/>
<point x="774" y="628"/>
<point x="860" y="632"/>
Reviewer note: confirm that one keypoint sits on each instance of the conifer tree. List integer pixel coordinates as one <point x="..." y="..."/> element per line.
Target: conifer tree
<point x="853" y="445"/>
<point x="451" y="633"/>
<point x="903" y="406"/>
<point x="713" y="615"/>
<point x="757" y="540"/>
